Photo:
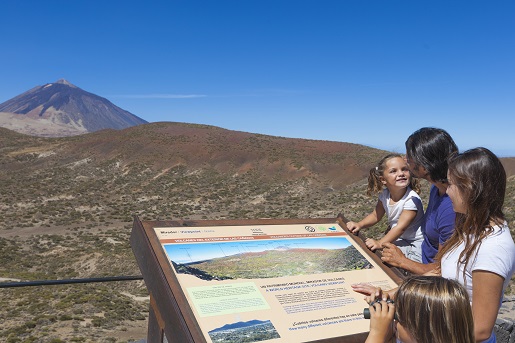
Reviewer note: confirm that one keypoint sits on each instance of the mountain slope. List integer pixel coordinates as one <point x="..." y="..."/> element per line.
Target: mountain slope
<point x="170" y="170"/>
<point x="63" y="104"/>
<point x="66" y="210"/>
<point x="163" y="146"/>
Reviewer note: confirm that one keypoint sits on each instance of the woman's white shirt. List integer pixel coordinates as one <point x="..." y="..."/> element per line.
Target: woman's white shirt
<point x="496" y="254"/>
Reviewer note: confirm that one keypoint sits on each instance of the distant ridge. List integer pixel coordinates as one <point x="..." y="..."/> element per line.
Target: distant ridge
<point x="63" y="109"/>
<point x="239" y="325"/>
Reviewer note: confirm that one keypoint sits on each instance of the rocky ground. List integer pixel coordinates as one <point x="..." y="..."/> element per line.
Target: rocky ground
<point x="507" y="310"/>
<point x="69" y="215"/>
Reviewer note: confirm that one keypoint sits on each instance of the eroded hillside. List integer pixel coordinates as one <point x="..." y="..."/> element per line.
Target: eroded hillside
<point x="67" y="205"/>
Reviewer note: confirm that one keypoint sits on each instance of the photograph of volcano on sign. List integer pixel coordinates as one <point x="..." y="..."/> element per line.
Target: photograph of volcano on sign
<point x="266" y="258"/>
<point x="251" y="331"/>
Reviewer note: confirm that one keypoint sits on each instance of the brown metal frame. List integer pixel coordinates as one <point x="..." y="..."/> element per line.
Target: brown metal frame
<point x="170" y="313"/>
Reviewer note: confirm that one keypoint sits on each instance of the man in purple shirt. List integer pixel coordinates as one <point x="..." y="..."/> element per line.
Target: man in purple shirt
<point x="427" y="151"/>
<point x="438" y="224"/>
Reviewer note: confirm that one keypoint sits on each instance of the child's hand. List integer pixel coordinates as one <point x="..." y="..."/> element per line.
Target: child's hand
<point x="381" y="321"/>
<point x="353" y="227"/>
<point x="372" y="244"/>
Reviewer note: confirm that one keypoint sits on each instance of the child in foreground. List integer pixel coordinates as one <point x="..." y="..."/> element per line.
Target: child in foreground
<point x="427" y="309"/>
<point x="400" y="202"/>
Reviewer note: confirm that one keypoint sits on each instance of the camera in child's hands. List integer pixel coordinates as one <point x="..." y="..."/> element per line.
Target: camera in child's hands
<point x="366" y="311"/>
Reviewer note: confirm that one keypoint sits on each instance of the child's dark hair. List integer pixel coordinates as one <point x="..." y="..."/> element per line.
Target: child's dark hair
<point x="374" y="177"/>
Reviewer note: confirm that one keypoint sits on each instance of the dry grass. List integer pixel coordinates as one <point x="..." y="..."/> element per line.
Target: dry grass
<point x="69" y="214"/>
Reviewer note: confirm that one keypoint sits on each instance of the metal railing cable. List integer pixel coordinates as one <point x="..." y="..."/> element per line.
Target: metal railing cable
<point x="68" y="281"/>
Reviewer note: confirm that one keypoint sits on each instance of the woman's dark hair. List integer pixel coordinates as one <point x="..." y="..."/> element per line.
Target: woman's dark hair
<point x="430" y="148"/>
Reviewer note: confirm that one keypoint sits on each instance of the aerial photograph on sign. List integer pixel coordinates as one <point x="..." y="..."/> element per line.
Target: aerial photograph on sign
<point x="266" y="258"/>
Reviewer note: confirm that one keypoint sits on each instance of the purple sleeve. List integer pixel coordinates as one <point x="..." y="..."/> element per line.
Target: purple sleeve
<point x="409" y="204"/>
<point x="446" y="219"/>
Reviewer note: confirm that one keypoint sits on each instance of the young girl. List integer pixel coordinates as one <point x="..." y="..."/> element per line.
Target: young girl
<point x="427" y="152"/>
<point x="428" y="309"/>
<point x="401" y="204"/>
<point x="481" y="253"/>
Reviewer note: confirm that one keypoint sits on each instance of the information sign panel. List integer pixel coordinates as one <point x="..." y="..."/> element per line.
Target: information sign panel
<point x="268" y="281"/>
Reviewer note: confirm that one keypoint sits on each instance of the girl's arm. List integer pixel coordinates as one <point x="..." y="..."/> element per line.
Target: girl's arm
<point x="405" y="219"/>
<point x="372" y="219"/>
<point x="486" y="295"/>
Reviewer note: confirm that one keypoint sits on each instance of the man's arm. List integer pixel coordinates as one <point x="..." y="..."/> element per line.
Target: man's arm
<point x="394" y="257"/>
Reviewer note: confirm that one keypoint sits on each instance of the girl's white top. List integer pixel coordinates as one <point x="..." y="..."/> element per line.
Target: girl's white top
<point x="410" y="201"/>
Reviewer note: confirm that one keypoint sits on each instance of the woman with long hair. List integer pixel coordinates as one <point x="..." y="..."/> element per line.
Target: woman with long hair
<point x="481" y="253"/>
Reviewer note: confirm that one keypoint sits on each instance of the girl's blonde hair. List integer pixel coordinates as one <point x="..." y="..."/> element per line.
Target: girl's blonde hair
<point x="374" y="177"/>
<point x="433" y="309"/>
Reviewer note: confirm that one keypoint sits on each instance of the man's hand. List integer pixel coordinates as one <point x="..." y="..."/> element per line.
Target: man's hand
<point x="393" y="255"/>
<point x="371" y="292"/>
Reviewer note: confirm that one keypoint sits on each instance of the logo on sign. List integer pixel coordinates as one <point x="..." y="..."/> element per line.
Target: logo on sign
<point x="309" y="228"/>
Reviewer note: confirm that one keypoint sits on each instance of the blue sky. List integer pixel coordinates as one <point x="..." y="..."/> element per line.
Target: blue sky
<point x="360" y="71"/>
